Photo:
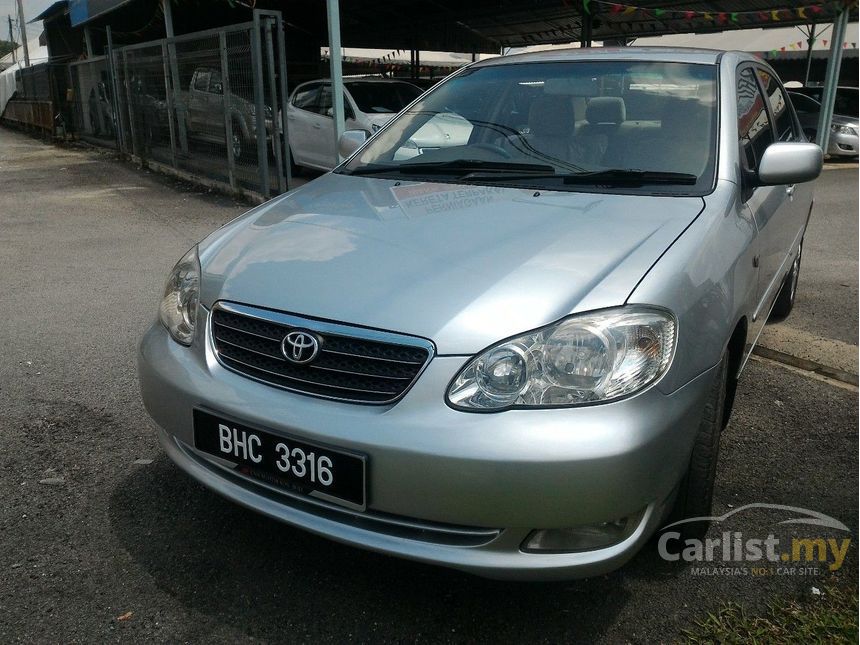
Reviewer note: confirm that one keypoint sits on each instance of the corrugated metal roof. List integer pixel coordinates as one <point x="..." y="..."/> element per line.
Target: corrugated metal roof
<point x="488" y="25"/>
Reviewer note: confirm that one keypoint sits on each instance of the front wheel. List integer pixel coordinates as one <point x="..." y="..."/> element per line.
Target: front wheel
<point x="788" y="292"/>
<point x="696" y="490"/>
<point x="237" y="144"/>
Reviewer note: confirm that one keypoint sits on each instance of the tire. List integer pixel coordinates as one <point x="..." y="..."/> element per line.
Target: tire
<point x="696" y="490"/>
<point x="240" y="143"/>
<point x="788" y="292"/>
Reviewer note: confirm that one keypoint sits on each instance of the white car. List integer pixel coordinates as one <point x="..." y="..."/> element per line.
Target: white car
<point x="368" y="103"/>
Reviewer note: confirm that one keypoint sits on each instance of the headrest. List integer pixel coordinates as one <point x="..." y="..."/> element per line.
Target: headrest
<point x="552" y="115"/>
<point x="606" y="109"/>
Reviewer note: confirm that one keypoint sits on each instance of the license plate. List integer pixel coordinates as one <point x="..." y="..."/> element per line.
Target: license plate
<point x="285" y="462"/>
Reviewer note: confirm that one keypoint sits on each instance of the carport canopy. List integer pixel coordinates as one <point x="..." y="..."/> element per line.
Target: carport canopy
<point x="493" y="25"/>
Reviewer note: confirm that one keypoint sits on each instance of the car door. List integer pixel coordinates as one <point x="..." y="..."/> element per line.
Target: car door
<point x="300" y="122"/>
<point x="767" y="204"/>
<point x="197" y="101"/>
<point x="215" y="106"/>
<point x="794" y="212"/>
<point x="327" y="145"/>
<point x="324" y="124"/>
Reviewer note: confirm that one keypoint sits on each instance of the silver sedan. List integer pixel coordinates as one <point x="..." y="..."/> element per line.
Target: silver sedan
<point x="511" y="353"/>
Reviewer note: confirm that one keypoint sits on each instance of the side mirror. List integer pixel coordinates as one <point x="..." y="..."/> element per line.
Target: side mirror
<point x="350" y="141"/>
<point x="790" y="163"/>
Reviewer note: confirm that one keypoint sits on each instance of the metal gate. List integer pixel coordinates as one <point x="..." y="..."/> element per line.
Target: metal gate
<point x="209" y="104"/>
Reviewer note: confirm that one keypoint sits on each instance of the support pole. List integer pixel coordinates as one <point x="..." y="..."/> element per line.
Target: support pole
<point x="114" y="81"/>
<point x="129" y="98"/>
<point x="259" y="107"/>
<point x="282" y="66"/>
<point x="228" y="119"/>
<point x="810" y="42"/>
<point x="831" y="79"/>
<point x="586" y="28"/>
<point x="168" y="94"/>
<point x="273" y="93"/>
<point x="333" y="13"/>
<point x="178" y="104"/>
<point x="12" y="40"/>
<point x="88" y="41"/>
<point x="22" y="25"/>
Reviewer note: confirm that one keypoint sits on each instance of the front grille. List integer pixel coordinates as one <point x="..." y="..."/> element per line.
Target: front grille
<point x="353" y="364"/>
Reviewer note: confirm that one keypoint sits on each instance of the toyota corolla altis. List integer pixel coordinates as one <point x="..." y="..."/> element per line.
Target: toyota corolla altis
<point x="511" y="352"/>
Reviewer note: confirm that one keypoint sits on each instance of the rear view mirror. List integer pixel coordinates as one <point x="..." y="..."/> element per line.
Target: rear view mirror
<point x="350" y="141"/>
<point x="790" y="163"/>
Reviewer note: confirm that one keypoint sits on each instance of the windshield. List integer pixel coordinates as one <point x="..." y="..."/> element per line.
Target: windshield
<point x="382" y="98"/>
<point x="640" y="126"/>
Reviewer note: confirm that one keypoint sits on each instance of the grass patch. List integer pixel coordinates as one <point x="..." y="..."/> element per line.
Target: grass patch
<point x="828" y="618"/>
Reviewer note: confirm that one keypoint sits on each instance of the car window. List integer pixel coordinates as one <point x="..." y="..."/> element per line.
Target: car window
<point x="778" y="106"/>
<point x="215" y="84"/>
<point x="382" y="98"/>
<point x="324" y="105"/>
<point x="306" y="97"/>
<point x="754" y="128"/>
<point x="201" y="81"/>
<point x="803" y="103"/>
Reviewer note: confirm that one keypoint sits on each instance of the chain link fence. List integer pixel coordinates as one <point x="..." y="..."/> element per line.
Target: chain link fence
<point x="208" y="104"/>
<point x="92" y="100"/>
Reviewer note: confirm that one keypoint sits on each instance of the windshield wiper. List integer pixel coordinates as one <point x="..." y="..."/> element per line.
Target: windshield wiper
<point x="613" y="177"/>
<point x="455" y="167"/>
<point x="632" y="176"/>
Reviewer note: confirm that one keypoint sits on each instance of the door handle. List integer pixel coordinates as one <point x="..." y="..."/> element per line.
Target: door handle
<point x="789" y="190"/>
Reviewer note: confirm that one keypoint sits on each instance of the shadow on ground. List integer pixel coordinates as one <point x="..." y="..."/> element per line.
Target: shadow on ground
<point x="263" y="577"/>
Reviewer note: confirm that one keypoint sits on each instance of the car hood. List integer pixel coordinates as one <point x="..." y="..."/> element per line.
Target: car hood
<point x="840" y="119"/>
<point x="464" y="266"/>
<point x="379" y="118"/>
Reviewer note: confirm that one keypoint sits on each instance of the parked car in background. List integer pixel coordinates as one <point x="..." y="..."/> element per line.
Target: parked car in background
<point x="511" y="354"/>
<point x="150" y="112"/>
<point x="845" y="125"/>
<point x="204" y="104"/>
<point x="368" y="105"/>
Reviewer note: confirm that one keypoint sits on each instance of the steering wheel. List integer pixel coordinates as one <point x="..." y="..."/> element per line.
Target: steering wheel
<point x="492" y="148"/>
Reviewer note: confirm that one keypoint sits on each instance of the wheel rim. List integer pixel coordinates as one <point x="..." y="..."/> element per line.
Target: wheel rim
<point x="237" y="146"/>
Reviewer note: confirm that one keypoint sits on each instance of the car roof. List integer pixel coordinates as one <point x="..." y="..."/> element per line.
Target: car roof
<point x="659" y="54"/>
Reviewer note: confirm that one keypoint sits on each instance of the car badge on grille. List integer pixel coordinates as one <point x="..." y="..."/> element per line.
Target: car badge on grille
<point x="300" y="347"/>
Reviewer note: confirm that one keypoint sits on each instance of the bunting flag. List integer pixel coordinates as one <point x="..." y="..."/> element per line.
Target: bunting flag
<point x="718" y="17"/>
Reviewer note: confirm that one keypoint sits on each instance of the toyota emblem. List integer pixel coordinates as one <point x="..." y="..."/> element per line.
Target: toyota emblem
<point x="300" y="347"/>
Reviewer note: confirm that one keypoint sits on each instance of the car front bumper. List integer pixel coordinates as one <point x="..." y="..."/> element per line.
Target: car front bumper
<point x="457" y="489"/>
<point x="843" y="145"/>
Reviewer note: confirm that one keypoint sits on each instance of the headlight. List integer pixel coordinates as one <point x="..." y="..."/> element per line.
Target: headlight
<point x="843" y="129"/>
<point x="178" y="310"/>
<point x="587" y="358"/>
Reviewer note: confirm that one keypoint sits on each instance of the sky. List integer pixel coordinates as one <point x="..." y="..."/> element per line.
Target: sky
<point x="32" y="8"/>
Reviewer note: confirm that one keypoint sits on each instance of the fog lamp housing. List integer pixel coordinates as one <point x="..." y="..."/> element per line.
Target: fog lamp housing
<point x="586" y="537"/>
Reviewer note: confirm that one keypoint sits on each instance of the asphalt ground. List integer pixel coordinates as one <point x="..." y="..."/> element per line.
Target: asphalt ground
<point x="103" y="539"/>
